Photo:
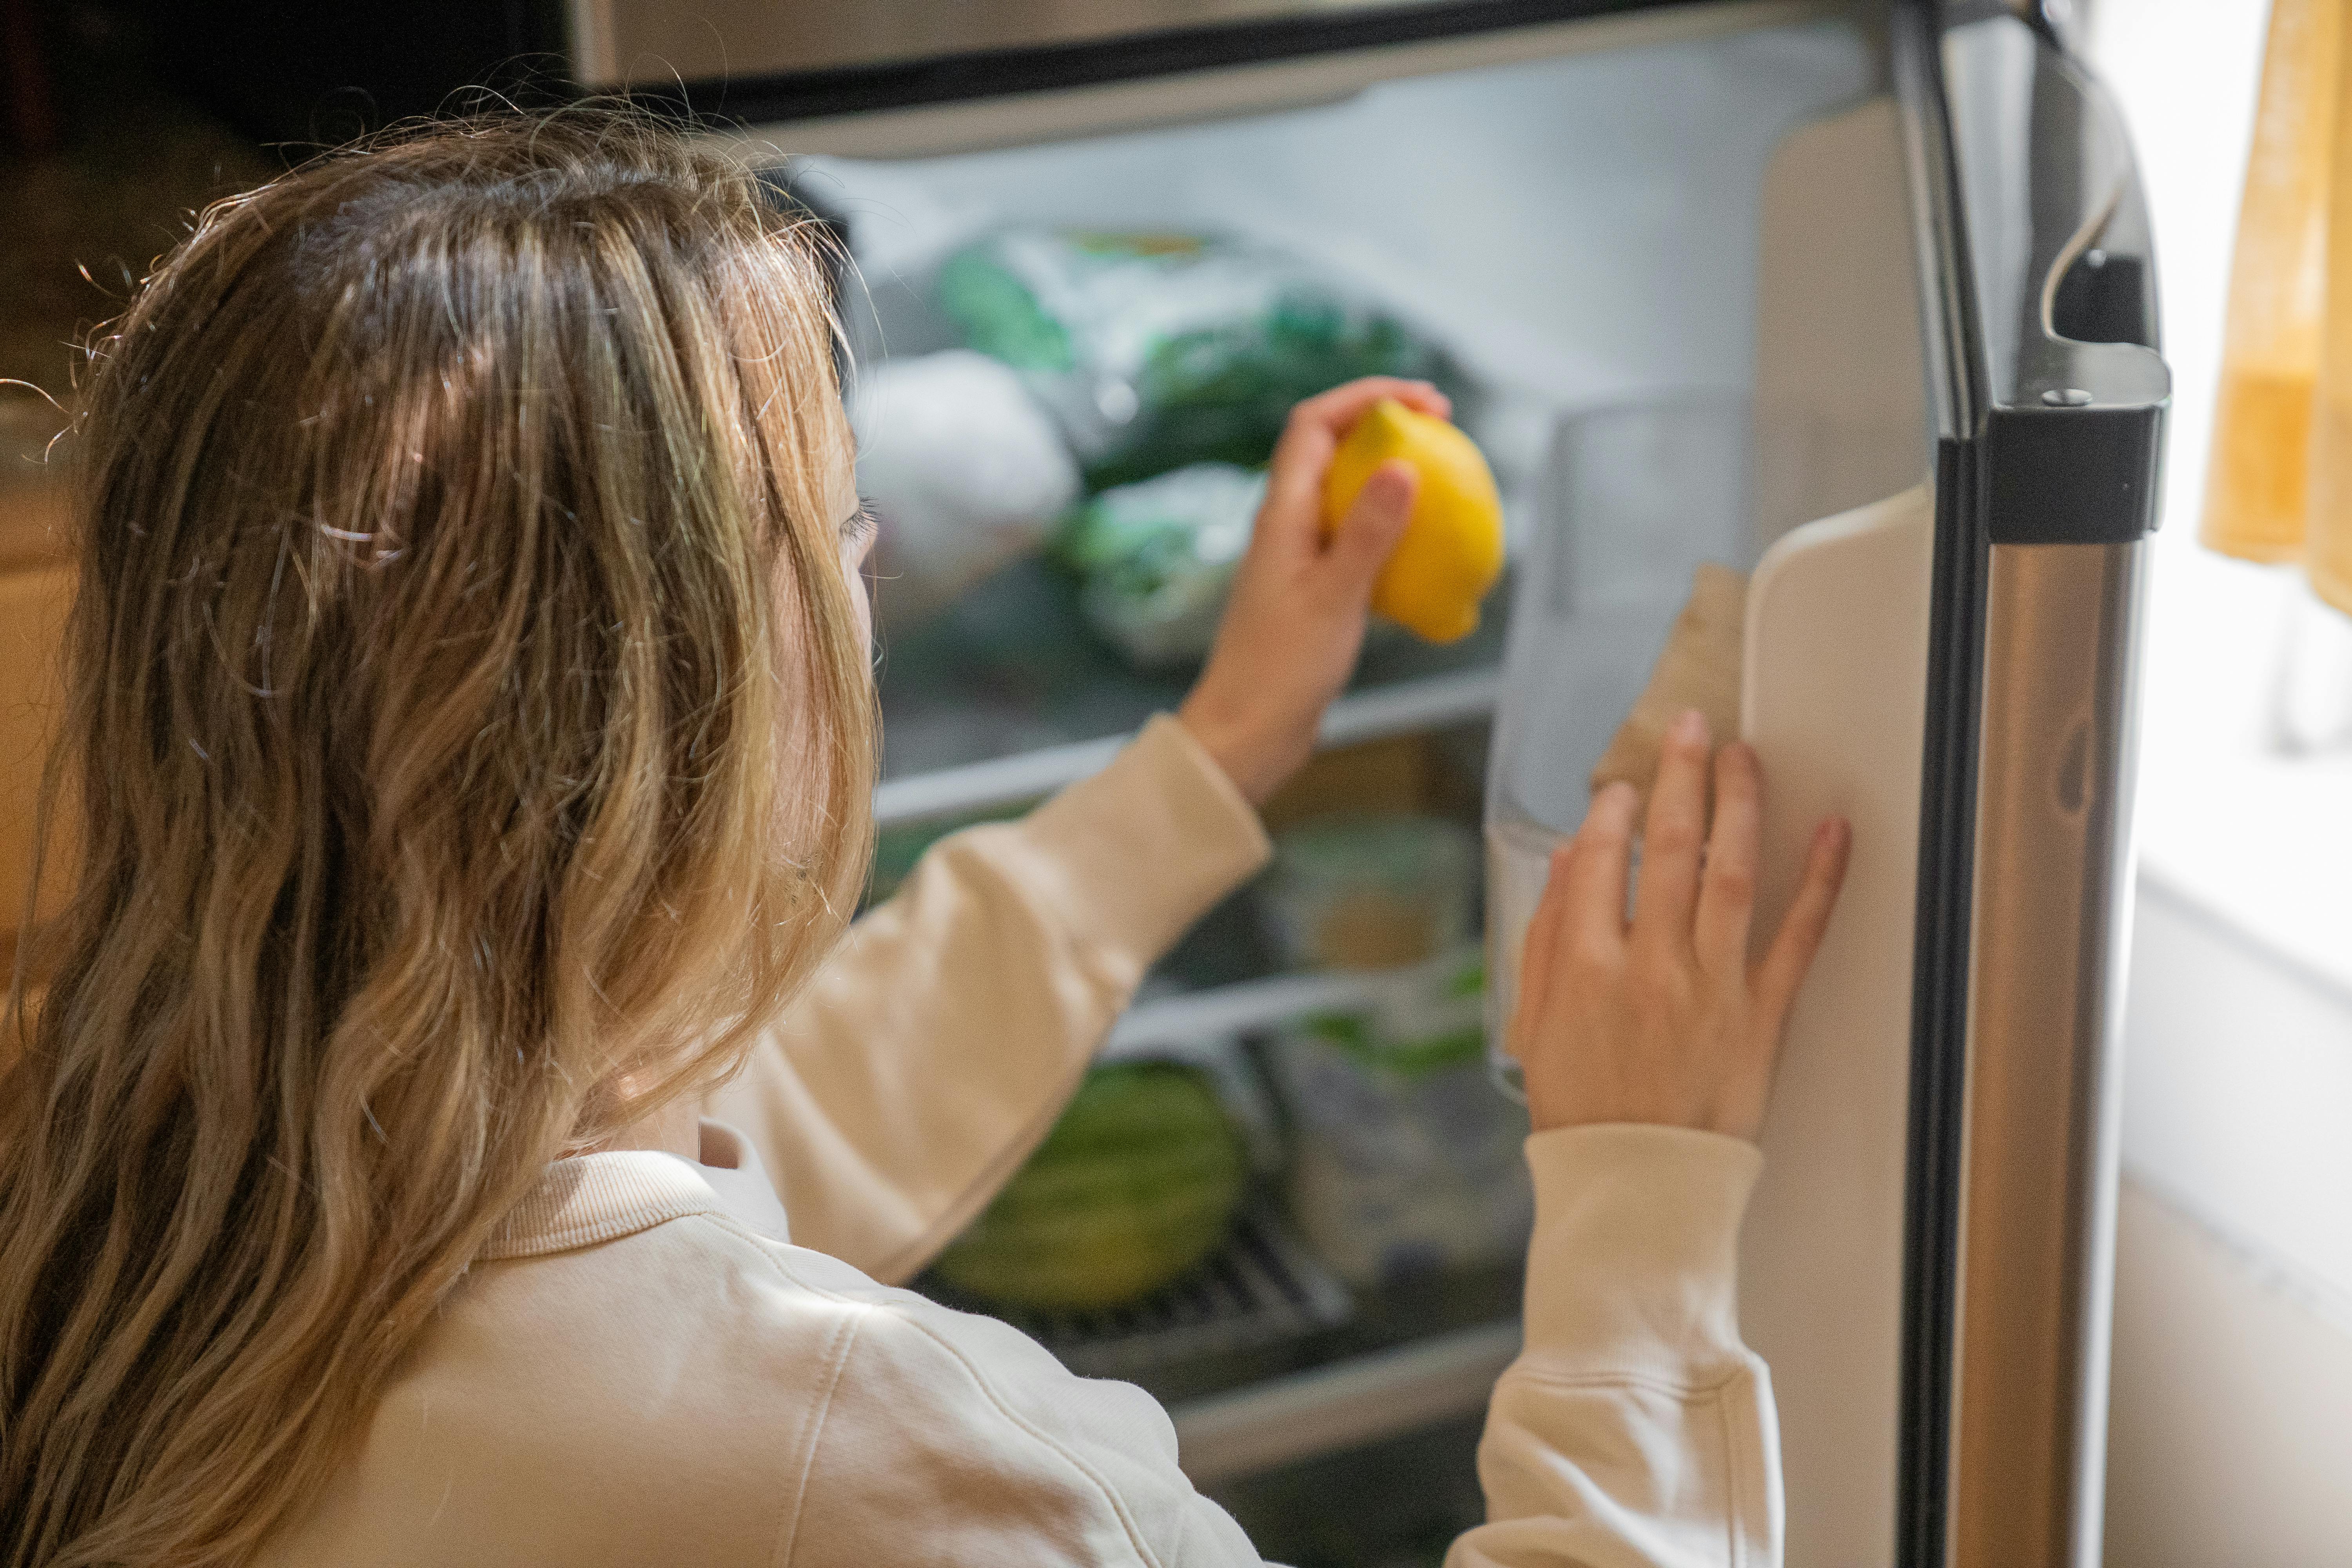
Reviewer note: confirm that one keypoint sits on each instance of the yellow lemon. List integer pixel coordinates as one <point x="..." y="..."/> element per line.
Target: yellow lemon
<point x="1451" y="551"/>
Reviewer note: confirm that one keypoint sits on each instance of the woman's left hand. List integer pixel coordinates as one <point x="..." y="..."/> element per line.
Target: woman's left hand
<point x="1296" y="620"/>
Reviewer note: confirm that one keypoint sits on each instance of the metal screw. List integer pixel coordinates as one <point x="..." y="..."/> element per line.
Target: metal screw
<point x="2067" y="397"/>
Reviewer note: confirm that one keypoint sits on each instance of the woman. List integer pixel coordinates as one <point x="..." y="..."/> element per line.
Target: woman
<point x="414" y="1158"/>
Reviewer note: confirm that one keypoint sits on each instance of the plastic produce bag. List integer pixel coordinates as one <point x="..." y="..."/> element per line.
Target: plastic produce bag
<point x="1157" y="559"/>
<point x="1405" y="1157"/>
<point x="964" y="472"/>
<point x="1159" y="350"/>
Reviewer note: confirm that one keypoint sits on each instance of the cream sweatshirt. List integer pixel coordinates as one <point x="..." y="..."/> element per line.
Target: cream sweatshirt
<point x="659" y="1360"/>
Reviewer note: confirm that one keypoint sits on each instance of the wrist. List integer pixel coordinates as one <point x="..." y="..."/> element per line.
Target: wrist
<point x="1254" y="755"/>
<point x="1633" y="1262"/>
<point x="1560" y="1111"/>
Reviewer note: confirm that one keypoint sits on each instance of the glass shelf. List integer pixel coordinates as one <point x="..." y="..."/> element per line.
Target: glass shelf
<point x="1180" y="1023"/>
<point x="1412" y="1355"/>
<point x="1346" y="1403"/>
<point x="1008" y="695"/>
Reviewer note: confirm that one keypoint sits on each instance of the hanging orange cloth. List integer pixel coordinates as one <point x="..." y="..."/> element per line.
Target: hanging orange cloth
<point x="2327" y="527"/>
<point x="2280" y="487"/>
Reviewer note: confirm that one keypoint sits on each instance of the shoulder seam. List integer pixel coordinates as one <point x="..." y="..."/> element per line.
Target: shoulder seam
<point x="837" y="1358"/>
<point x="1012" y="1417"/>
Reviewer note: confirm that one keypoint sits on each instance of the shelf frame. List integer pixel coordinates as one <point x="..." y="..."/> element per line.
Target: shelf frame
<point x="1190" y="1023"/>
<point x="1362" y="1399"/>
<point x="1371" y="715"/>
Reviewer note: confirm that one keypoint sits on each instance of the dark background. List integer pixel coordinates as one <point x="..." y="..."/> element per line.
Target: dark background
<point x="120" y="119"/>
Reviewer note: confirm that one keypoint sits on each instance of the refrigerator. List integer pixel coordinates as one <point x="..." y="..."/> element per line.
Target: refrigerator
<point x="1855" y="299"/>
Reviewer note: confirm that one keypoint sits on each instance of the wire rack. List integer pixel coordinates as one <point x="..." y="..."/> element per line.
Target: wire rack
<point x="1262" y="1288"/>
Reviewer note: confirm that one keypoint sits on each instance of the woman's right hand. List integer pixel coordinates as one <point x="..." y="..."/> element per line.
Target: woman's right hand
<point x="1295" y="619"/>
<point x="1663" y="1018"/>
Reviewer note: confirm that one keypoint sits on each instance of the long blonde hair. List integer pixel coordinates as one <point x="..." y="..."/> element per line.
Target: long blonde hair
<point x="472" y="733"/>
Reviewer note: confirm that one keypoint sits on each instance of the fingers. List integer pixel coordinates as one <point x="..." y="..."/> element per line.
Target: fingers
<point x="1673" y="837"/>
<point x="1592" y="892"/>
<point x="1374" y="524"/>
<point x="1334" y="412"/>
<point x="1800" y="937"/>
<point x="1726" y="894"/>
<point x="1539" y="947"/>
<point x="1294" y="496"/>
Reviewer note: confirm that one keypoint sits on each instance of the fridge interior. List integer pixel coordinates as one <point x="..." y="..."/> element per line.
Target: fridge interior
<point x="1671" y="284"/>
<point x="1574" y="231"/>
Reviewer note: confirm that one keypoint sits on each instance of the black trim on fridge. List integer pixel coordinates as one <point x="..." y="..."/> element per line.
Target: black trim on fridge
<point x="1947" y="805"/>
<point x="2062" y="276"/>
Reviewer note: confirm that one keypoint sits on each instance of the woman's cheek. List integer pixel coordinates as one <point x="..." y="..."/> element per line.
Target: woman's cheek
<point x="853" y="571"/>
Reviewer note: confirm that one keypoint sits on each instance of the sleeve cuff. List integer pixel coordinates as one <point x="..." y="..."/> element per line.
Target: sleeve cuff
<point x="1145" y="846"/>
<point x="1633" y="1266"/>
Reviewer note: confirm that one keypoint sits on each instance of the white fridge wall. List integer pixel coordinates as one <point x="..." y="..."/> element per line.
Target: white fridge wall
<point x="1582" y="227"/>
<point x="1833" y="699"/>
<point x="1840" y="407"/>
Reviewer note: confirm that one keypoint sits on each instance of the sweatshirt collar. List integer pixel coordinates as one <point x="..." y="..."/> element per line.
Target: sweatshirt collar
<point x="592" y="1198"/>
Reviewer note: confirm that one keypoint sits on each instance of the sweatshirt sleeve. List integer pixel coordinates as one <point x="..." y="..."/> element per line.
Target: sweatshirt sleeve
<point x="934" y="1049"/>
<point x="1635" y="1428"/>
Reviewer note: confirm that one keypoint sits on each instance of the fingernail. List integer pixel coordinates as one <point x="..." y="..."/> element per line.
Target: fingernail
<point x="1690" y="727"/>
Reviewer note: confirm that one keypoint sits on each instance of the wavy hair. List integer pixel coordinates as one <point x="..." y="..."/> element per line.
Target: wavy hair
<point x="472" y="733"/>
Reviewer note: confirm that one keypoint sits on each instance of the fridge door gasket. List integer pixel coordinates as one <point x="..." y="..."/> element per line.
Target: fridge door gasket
<point x="2050" y="395"/>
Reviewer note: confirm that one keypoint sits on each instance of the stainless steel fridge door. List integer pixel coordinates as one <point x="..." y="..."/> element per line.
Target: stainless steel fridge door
<point x="613" y="40"/>
<point x="2050" y="398"/>
<point x="768" y="61"/>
